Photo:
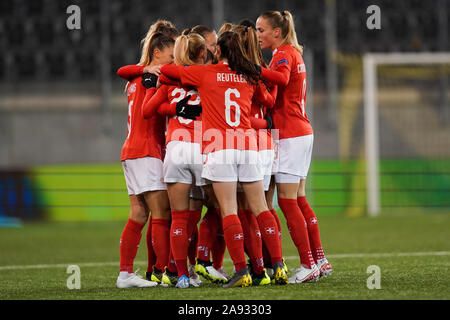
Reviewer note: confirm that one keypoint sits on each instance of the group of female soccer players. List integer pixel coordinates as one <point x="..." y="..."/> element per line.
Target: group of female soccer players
<point x="210" y="125"/>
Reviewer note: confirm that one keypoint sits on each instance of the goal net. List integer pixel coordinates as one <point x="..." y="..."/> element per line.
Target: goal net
<point x="407" y="131"/>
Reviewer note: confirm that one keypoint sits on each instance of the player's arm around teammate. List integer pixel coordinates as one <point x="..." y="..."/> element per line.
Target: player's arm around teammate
<point x="276" y="31"/>
<point x="183" y="160"/>
<point x="232" y="81"/>
<point x="142" y="164"/>
<point x="143" y="68"/>
<point x="261" y="99"/>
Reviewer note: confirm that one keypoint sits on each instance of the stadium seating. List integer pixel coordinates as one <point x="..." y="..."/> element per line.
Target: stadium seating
<point x="37" y="29"/>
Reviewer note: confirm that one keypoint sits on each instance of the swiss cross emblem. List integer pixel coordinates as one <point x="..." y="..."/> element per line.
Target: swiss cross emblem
<point x="177" y="232"/>
<point x="270" y="230"/>
<point x="238" y="236"/>
<point x="314" y="220"/>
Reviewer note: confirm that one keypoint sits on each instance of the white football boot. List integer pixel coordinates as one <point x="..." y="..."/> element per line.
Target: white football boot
<point x="303" y="274"/>
<point x="325" y="268"/>
<point x="269" y="272"/>
<point x="224" y="272"/>
<point x="194" y="279"/>
<point x="134" y="281"/>
<point x="206" y="270"/>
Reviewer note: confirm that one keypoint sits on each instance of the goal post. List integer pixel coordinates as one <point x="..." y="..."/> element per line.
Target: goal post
<point x="371" y="116"/>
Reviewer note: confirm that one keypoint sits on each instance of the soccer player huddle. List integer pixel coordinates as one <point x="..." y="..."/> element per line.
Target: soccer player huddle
<point x="211" y="126"/>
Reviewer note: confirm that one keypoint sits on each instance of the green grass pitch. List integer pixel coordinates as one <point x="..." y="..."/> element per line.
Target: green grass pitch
<point x="412" y="251"/>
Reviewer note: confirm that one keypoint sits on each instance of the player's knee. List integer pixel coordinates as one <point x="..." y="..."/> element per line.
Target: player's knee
<point x="161" y="213"/>
<point x="139" y="214"/>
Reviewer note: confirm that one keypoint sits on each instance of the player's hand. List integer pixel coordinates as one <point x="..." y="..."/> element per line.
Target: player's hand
<point x="188" y="111"/>
<point x="269" y="121"/>
<point x="156" y="70"/>
<point x="149" y="80"/>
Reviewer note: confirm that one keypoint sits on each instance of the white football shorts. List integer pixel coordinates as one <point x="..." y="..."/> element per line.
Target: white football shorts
<point x="267" y="158"/>
<point x="294" y="159"/>
<point x="183" y="163"/>
<point x="143" y="174"/>
<point x="230" y="165"/>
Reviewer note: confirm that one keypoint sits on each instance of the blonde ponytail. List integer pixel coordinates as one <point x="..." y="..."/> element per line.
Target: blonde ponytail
<point x="188" y="48"/>
<point x="291" y="35"/>
<point x="285" y="22"/>
<point x="180" y="51"/>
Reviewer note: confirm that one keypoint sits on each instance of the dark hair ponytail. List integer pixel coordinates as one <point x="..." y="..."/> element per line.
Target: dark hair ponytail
<point x="231" y="49"/>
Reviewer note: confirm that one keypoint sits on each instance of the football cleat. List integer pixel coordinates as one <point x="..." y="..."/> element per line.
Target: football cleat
<point x="206" y="270"/>
<point x="134" y="281"/>
<point x="280" y="274"/>
<point x="285" y="265"/>
<point x="270" y="274"/>
<point x="240" y="279"/>
<point x="170" y="278"/>
<point x="183" y="282"/>
<point x="303" y="274"/>
<point x="156" y="275"/>
<point x="194" y="279"/>
<point x="260" y="279"/>
<point x="325" y="268"/>
<point x="224" y="272"/>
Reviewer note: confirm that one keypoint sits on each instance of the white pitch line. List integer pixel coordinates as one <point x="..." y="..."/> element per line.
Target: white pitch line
<point x="329" y="256"/>
<point x="383" y="255"/>
<point x="61" y="265"/>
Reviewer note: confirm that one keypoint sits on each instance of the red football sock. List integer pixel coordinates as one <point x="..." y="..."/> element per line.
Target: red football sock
<point x="151" y="257"/>
<point x="246" y="229"/>
<point x="297" y="228"/>
<point x="218" y="250"/>
<point x="219" y="246"/>
<point x="253" y="241"/>
<point x="129" y="243"/>
<point x="161" y="242"/>
<point x="313" y="228"/>
<point x="207" y="234"/>
<point x="269" y="233"/>
<point x="171" y="265"/>
<point x="266" y="255"/>
<point x="234" y="239"/>
<point x="194" y="218"/>
<point x="277" y="219"/>
<point x="192" y="250"/>
<point x="179" y="240"/>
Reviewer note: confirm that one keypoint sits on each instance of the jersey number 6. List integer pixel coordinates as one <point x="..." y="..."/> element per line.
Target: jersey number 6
<point x="228" y="104"/>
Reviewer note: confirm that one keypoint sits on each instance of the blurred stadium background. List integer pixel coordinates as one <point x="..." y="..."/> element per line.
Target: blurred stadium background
<point x="63" y="109"/>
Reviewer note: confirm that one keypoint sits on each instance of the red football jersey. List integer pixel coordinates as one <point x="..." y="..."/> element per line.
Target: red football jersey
<point x="130" y="72"/>
<point x="226" y="103"/>
<point x="288" y="114"/>
<point x="144" y="137"/>
<point x="179" y="128"/>
<point x="262" y="100"/>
